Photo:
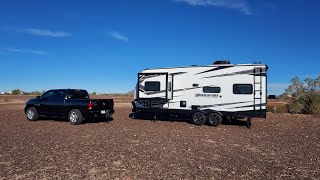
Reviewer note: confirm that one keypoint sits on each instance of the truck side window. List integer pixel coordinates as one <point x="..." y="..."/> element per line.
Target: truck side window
<point x="84" y="94"/>
<point x="48" y="94"/>
<point x="59" y="94"/>
<point x="152" y="86"/>
<point x="74" y="94"/>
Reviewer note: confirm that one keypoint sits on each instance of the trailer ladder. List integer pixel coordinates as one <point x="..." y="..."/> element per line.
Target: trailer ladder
<point x="257" y="90"/>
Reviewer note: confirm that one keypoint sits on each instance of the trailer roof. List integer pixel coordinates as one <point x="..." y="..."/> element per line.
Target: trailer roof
<point x="216" y="65"/>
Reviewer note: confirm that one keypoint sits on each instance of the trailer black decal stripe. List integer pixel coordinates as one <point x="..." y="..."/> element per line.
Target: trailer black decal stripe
<point x="224" y="104"/>
<point x="256" y="105"/>
<point x="185" y="89"/>
<point x="214" y="69"/>
<point x="177" y="73"/>
<point x="231" y="74"/>
<point x="144" y="77"/>
<point x="155" y="92"/>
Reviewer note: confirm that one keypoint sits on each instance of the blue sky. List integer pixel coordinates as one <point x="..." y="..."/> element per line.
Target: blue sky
<point x="101" y="45"/>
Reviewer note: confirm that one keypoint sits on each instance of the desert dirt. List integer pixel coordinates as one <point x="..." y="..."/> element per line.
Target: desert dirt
<point x="282" y="146"/>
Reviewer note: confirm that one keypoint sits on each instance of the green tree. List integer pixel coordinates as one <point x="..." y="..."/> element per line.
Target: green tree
<point x="305" y="96"/>
<point x="16" y="91"/>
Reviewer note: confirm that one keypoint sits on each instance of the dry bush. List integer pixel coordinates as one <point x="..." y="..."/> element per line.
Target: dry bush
<point x="278" y="108"/>
<point x="305" y="96"/>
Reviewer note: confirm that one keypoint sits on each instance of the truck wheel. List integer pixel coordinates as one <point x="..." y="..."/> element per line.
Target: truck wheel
<point x="75" y="117"/>
<point x="32" y="114"/>
<point x="214" y="119"/>
<point x="198" y="118"/>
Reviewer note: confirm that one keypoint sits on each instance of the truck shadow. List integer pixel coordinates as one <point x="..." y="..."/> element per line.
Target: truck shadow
<point x="98" y="120"/>
<point x="186" y="119"/>
<point x="87" y="121"/>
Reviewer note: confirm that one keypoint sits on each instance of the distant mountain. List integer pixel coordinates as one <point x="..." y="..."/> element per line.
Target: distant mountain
<point x="131" y="92"/>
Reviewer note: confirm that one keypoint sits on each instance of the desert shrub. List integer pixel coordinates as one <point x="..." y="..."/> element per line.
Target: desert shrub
<point x="284" y="98"/>
<point x="277" y="108"/>
<point x="16" y="91"/>
<point x="311" y="103"/>
<point x="296" y="106"/>
<point x="305" y="96"/>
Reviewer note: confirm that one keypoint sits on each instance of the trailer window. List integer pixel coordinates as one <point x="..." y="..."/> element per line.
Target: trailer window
<point x="209" y="89"/>
<point x="242" y="89"/>
<point x="152" y="86"/>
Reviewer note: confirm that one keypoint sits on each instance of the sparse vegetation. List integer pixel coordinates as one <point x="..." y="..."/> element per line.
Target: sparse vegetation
<point x="305" y="96"/>
<point x="33" y="93"/>
<point x="16" y="91"/>
<point x="278" y="107"/>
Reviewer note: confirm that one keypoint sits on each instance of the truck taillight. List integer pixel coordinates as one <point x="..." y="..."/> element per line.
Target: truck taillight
<point x="90" y="105"/>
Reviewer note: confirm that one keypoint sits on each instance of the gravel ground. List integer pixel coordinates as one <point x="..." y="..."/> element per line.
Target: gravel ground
<point x="279" y="147"/>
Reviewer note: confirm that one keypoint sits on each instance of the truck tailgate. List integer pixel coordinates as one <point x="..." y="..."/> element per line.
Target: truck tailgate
<point x="102" y="104"/>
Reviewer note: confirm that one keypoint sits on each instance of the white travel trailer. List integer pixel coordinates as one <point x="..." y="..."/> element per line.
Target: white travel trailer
<point x="203" y="93"/>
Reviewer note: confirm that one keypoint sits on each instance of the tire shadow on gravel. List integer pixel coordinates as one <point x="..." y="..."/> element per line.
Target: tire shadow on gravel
<point x="151" y="117"/>
<point x="235" y="123"/>
<point x="98" y="120"/>
<point x="87" y="121"/>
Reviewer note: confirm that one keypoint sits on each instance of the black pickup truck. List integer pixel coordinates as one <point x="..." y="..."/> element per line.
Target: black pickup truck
<point x="74" y="104"/>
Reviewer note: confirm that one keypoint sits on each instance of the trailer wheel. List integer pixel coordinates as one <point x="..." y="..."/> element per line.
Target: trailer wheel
<point x="32" y="114"/>
<point x="75" y="117"/>
<point x="198" y="118"/>
<point x="214" y="119"/>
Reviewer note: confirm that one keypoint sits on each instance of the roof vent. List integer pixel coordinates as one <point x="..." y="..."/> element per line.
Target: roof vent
<point x="222" y="62"/>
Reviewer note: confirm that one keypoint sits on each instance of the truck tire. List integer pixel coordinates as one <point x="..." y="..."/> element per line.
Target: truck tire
<point x="214" y="119"/>
<point x="198" y="118"/>
<point x="75" y="117"/>
<point x="32" y="114"/>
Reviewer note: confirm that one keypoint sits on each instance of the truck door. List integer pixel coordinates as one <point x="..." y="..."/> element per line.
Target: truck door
<point x="42" y="106"/>
<point x="55" y="103"/>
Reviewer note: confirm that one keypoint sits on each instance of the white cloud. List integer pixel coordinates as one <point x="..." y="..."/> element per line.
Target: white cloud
<point x="240" y="5"/>
<point x="45" y="32"/>
<point x="118" y="36"/>
<point x="14" y="50"/>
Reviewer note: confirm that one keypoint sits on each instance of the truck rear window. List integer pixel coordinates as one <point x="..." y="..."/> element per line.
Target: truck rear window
<point x="78" y="94"/>
<point x="84" y="94"/>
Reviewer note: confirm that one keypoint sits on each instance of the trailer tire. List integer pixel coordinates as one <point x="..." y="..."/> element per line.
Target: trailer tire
<point x="75" y="117"/>
<point x="198" y="118"/>
<point x="214" y="119"/>
<point x="32" y="114"/>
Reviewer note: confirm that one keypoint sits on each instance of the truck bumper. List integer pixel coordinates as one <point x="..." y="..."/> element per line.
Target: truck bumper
<point x="100" y="113"/>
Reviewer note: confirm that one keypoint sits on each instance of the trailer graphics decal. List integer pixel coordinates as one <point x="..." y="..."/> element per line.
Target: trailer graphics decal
<point x="207" y="95"/>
